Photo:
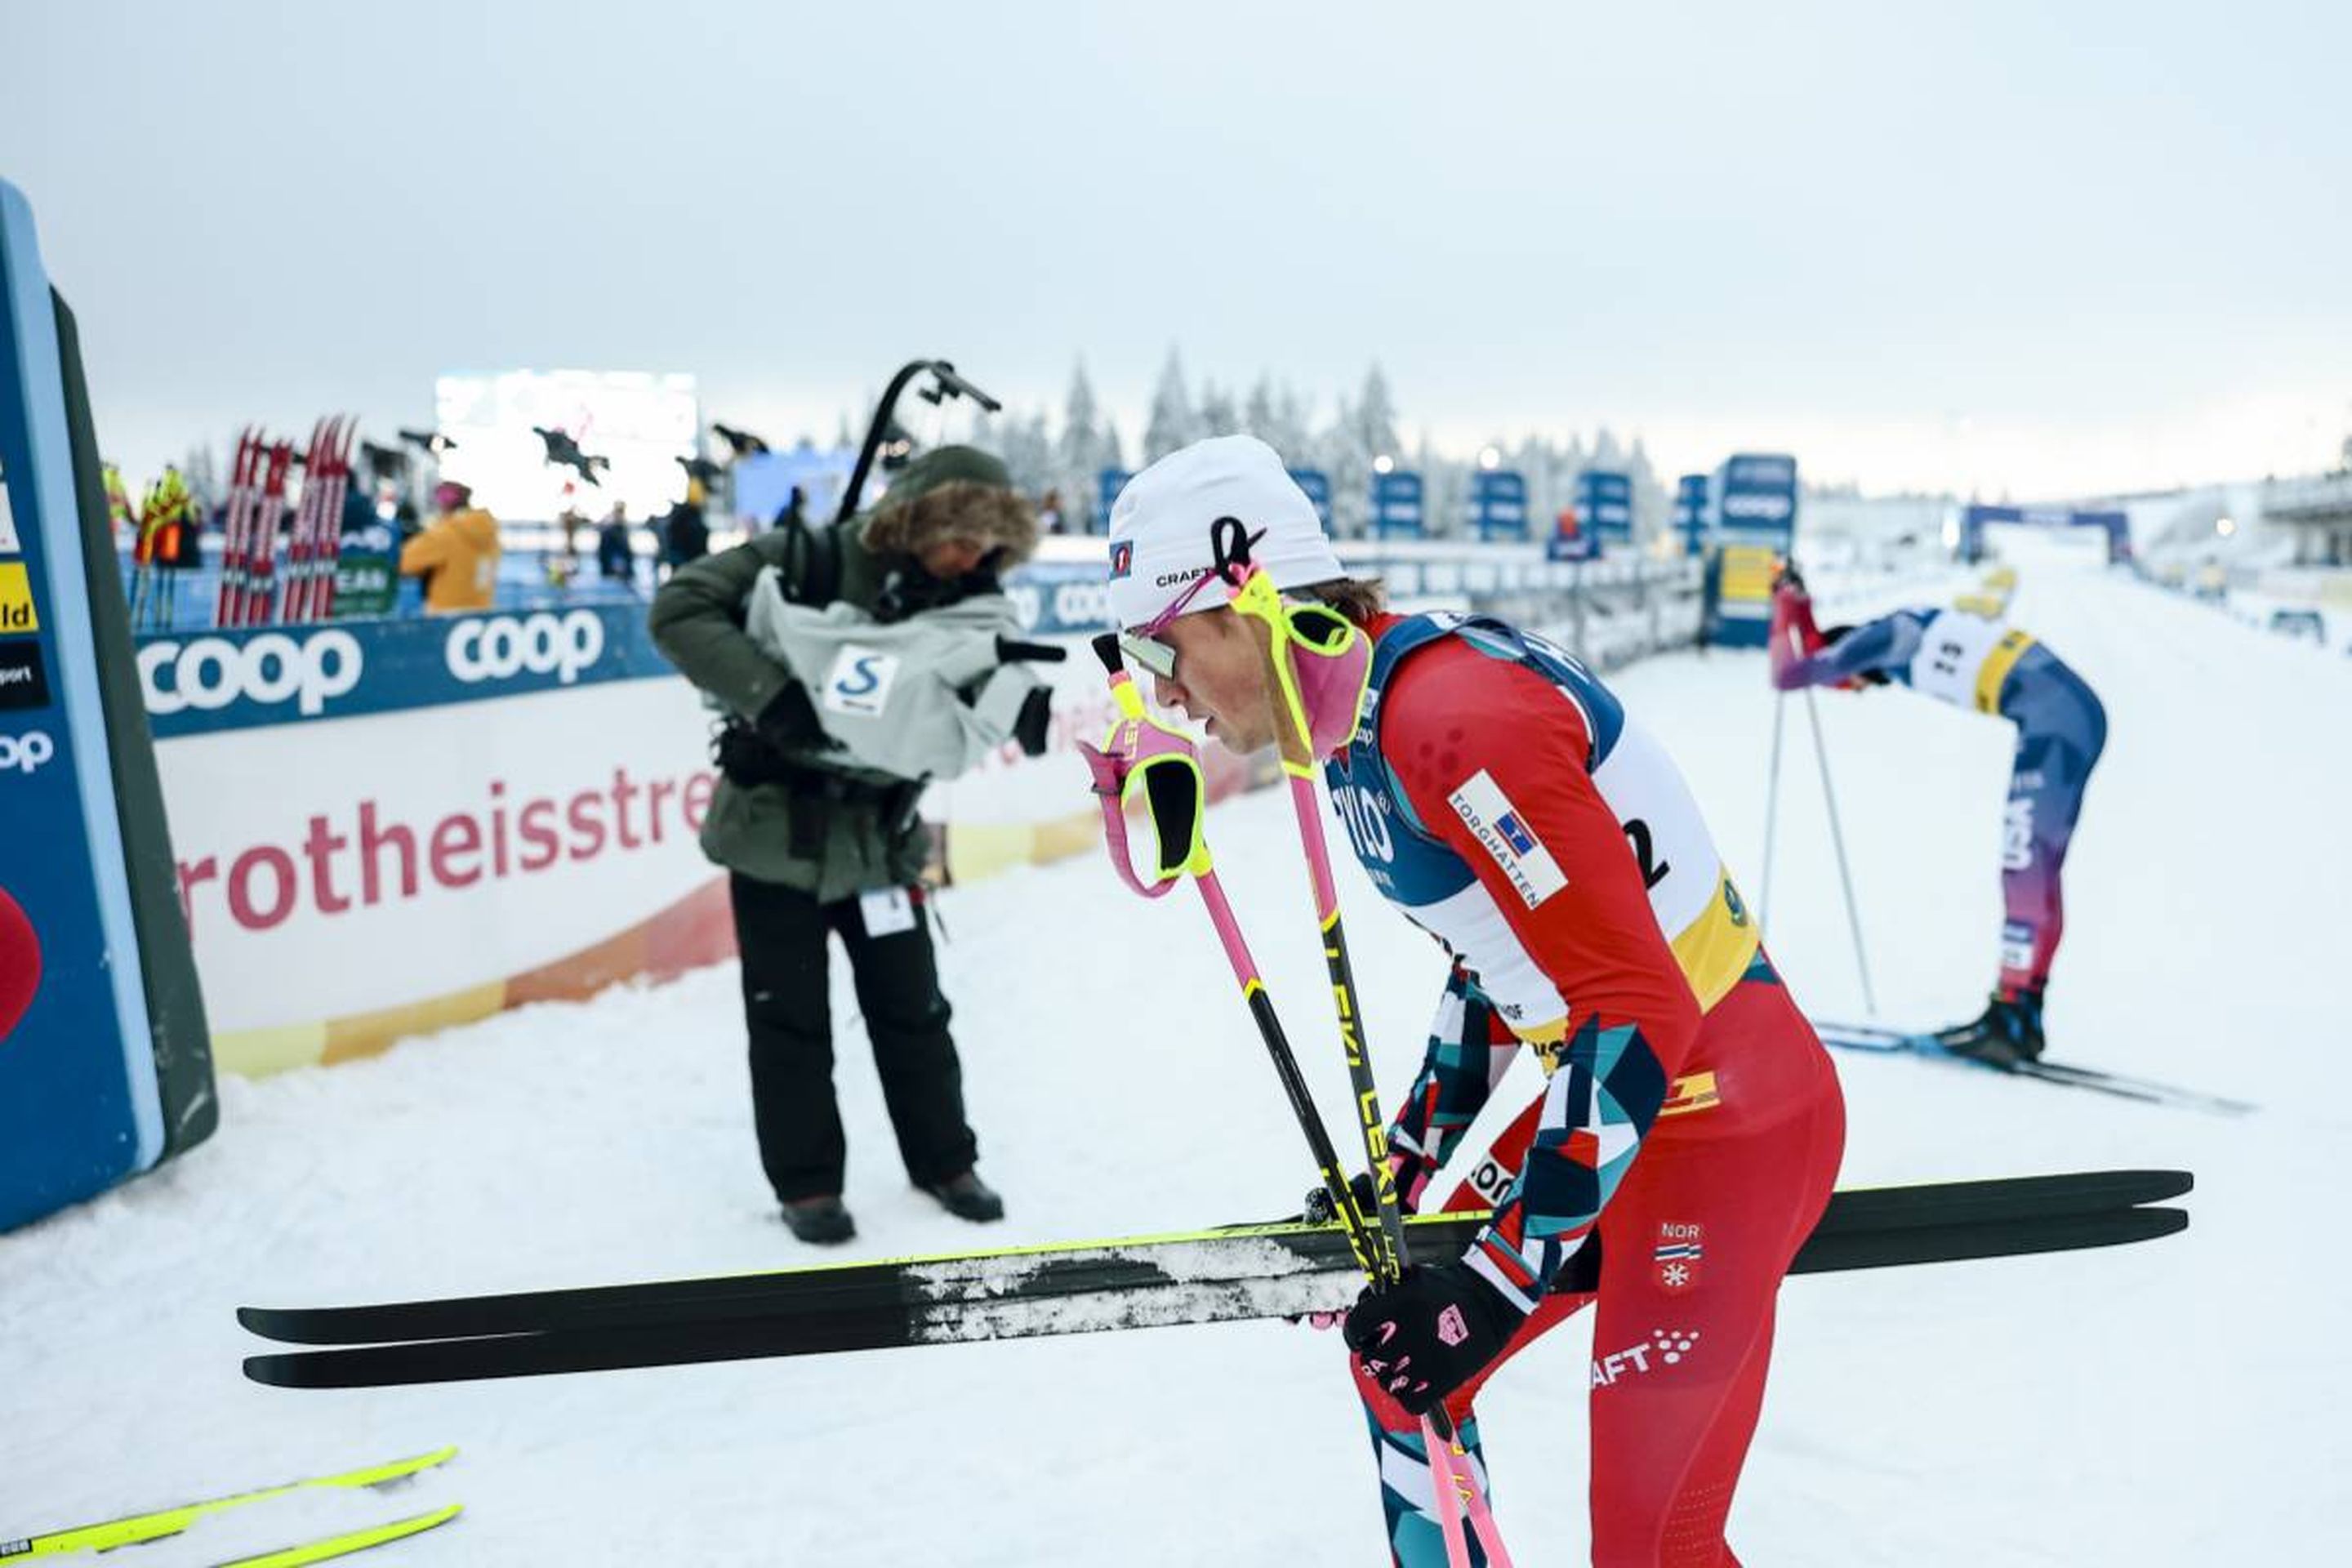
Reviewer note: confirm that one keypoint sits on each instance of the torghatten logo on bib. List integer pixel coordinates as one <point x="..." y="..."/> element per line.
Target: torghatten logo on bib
<point x="1505" y="835"/>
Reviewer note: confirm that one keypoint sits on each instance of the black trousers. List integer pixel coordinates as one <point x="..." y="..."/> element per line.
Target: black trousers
<point x="782" y="934"/>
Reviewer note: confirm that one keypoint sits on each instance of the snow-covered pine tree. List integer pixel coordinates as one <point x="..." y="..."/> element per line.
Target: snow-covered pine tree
<point x="1088" y="445"/>
<point x="1345" y="460"/>
<point x="201" y="476"/>
<point x="1288" y="430"/>
<point x="1028" y="451"/>
<point x="1258" y="416"/>
<point x="1445" y="489"/>
<point x="1218" y="414"/>
<point x="1172" y="423"/>
<point x="1653" y="507"/>
<point x="1376" y="430"/>
<point x="1548" y="489"/>
<point x="1607" y="454"/>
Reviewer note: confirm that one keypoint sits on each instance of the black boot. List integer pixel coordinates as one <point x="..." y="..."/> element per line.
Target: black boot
<point x="968" y="1197"/>
<point x="2008" y="1031"/>
<point x="822" y="1222"/>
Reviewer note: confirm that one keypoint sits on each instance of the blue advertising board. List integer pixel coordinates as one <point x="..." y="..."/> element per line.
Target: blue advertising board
<point x="1752" y="525"/>
<point x="1604" y="505"/>
<point x="217" y="679"/>
<point x="85" y="1098"/>
<point x="1498" y="503"/>
<point x="238" y="679"/>
<point x="1318" y="486"/>
<point x="1690" y="512"/>
<point x="1397" y="505"/>
<point x="1108" y="484"/>
<point x="1754" y="500"/>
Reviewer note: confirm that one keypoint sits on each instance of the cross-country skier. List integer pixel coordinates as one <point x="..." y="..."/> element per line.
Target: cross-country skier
<point x="1499" y="795"/>
<point x="1973" y="660"/>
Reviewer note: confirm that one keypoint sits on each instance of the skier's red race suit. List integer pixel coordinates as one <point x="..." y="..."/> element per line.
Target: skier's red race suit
<point x="1690" y="1124"/>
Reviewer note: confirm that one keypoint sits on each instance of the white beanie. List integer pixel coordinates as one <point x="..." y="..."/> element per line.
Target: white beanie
<point x="1163" y="522"/>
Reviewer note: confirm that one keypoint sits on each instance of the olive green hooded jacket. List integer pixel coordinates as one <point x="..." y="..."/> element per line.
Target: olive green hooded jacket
<point x="832" y="830"/>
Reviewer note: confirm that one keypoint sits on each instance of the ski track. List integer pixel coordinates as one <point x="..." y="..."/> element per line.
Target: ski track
<point x="2162" y="1403"/>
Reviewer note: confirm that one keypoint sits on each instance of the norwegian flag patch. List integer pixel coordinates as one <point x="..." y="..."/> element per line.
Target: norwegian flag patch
<point x="1676" y="1257"/>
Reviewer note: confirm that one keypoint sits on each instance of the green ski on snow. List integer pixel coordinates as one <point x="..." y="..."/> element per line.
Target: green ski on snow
<point x="344" y="1545"/>
<point x="133" y="1530"/>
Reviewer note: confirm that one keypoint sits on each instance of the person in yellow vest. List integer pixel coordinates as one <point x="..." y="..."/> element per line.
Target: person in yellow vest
<point x="456" y="554"/>
<point x="117" y="504"/>
<point x="167" y="534"/>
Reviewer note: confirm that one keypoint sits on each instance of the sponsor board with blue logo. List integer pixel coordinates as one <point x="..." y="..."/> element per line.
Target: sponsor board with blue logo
<point x="1397" y="505"/>
<point x="1498" y="503"/>
<point x="1317" y="486"/>
<point x="104" y="1069"/>
<point x="24" y="677"/>
<point x="239" y="678"/>
<point x="1604" y="504"/>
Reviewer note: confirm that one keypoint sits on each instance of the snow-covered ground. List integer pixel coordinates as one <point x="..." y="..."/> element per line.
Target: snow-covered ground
<point x="2174" y="1403"/>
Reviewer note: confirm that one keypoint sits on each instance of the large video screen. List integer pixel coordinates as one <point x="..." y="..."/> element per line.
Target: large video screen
<point x="641" y="421"/>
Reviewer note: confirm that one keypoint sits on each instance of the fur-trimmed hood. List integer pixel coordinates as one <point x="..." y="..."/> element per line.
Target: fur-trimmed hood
<point x="953" y="492"/>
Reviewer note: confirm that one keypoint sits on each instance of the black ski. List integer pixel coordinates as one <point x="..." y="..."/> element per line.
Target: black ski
<point x="1208" y="1279"/>
<point x="896" y="1283"/>
<point x="1168" y="1303"/>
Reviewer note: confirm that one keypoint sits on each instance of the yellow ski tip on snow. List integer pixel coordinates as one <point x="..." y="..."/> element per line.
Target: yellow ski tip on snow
<point x="355" y="1541"/>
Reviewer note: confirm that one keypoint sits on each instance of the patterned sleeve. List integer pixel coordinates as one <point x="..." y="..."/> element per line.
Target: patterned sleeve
<point x="1874" y="647"/>
<point x="1494" y="760"/>
<point x="1470" y="1048"/>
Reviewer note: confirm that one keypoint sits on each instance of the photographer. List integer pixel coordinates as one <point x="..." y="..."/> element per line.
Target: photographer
<point x="893" y="625"/>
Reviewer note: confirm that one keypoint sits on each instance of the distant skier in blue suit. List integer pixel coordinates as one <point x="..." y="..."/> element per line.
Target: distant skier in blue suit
<point x="1971" y="659"/>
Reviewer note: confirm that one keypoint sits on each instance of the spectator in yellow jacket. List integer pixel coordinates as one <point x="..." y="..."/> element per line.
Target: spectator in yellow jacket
<point x="456" y="554"/>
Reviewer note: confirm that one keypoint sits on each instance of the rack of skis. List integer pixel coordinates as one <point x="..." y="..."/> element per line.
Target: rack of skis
<point x="253" y="589"/>
<point x="279" y="545"/>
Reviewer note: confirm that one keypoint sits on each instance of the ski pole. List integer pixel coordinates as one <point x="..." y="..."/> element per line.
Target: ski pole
<point x="1143" y="756"/>
<point x="1837" y="839"/>
<point x="1792" y="619"/>
<point x="1256" y="598"/>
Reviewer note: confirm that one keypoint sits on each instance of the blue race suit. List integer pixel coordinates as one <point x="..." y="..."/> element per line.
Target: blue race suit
<point x="1973" y="661"/>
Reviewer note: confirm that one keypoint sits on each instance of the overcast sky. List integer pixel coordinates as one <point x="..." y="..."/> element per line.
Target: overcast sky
<point x="2041" y="247"/>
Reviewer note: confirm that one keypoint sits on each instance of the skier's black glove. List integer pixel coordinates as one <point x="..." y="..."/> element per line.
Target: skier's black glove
<point x="789" y="721"/>
<point x="1429" y="1332"/>
<point x="1036" y="715"/>
<point x="1830" y="637"/>
<point x="1317" y="1209"/>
